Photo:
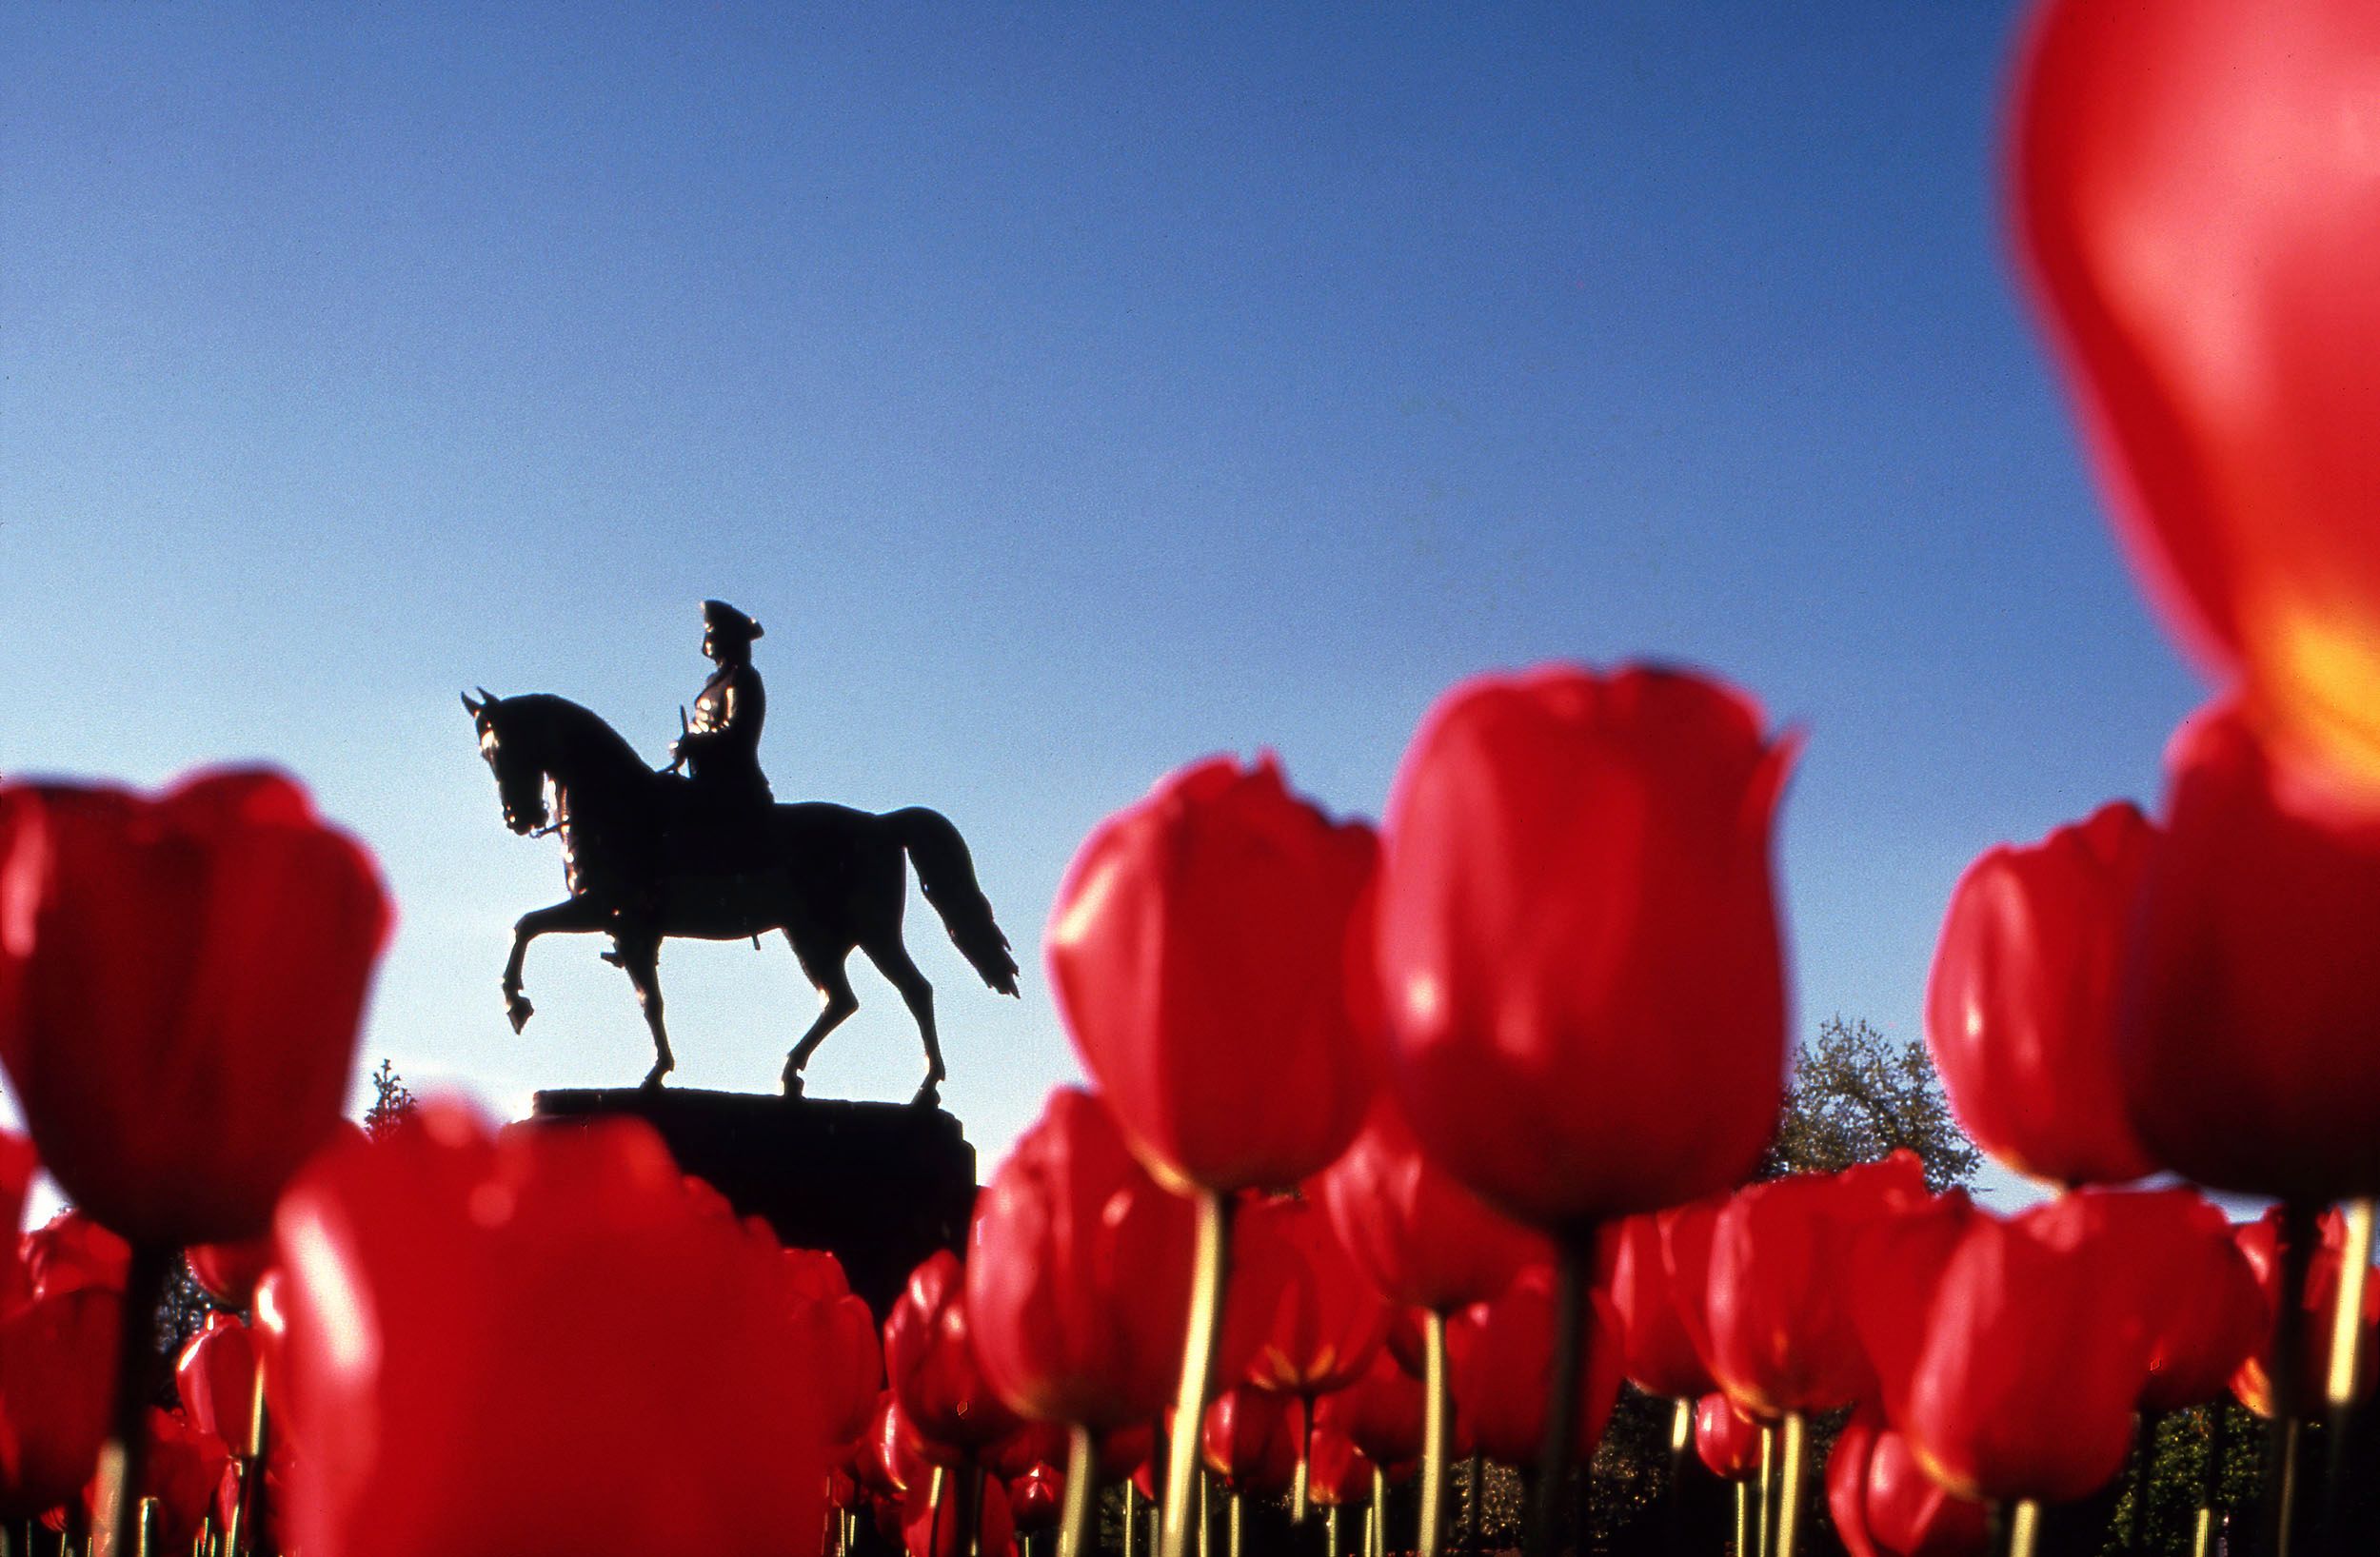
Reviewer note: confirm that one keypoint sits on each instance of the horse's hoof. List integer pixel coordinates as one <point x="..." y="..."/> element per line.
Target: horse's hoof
<point x="518" y="1008"/>
<point x="652" y="1078"/>
<point x="793" y="1083"/>
<point x="929" y="1096"/>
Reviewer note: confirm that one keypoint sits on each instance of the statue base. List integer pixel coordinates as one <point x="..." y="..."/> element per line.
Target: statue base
<point x="883" y="1185"/>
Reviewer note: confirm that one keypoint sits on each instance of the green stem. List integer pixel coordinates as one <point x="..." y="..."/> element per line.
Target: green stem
<point x="1082" y="1491"/>
<point x="1434" y="1435"/>
<point x="1210" y="1270"/>
<point x="1561" y="1449"/>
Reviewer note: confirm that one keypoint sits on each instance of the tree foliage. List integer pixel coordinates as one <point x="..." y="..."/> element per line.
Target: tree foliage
<point x="1856" y="1097"/>
<point x="392" y="1102"/>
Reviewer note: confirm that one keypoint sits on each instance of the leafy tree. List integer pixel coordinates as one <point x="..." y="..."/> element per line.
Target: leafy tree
<point x="1857" y="1096"/>
<point x="393" y="1101"/>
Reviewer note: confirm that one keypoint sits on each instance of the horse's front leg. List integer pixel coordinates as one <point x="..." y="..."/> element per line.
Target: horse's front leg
<point x="571" y="916"/>
<point x="639" y="955"/>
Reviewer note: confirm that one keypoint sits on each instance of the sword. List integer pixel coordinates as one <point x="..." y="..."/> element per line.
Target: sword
<point x="683" y="730"/>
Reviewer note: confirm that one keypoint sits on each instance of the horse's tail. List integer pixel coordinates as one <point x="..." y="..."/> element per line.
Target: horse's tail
<point x="946" y="871"/>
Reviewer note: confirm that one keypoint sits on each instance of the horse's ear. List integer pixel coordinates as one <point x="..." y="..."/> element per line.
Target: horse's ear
<point x="487" y="697"/>
<point x="469" y="706"/>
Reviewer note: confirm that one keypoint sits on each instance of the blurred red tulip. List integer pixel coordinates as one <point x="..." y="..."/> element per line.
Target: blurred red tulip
<point x="1037" y="1498"/>
<point x="1325" y="1321"/>
<point x="1685" y="1233"/>
<point x="1124" y="1451"/>
<point x="1337" y="1473"/>
<point x="216" y="1376"/>
<point x="930" y="1363"/>
<point x="1886" y="1506"/>
<point x="1381" y="1412"/>
<point x="2021" y="1014"/>
<point x="1726" y="1439"/>
<point x="227" y="1273"/>
<point x="1781" y="1333"/>
<point x="1500" y="1365"/>
<point x="2213" y="1317"/>
<point x="838" y="1330"/>
<point x="184" y="1468"/>
<point x="57" y="1353"/>
<point x="1032" y="1442"/>
<point x="2258" y="1243"/>
<point x="1422" y="1239"/>
<point x="537" y="1341"/>
<point x="71" y="1252"/>
<point x="2194" y="200"/>
<point x="180" y="984"/>
<point x="2036" y="1351"/>
<point x="1198" y="953"/>
<point x="275" y="1490"/>
<point x="893" y="1457"/>
<point x="933" y="1527"/>
<point x="1079" y="1273"/>
<point x="1251" y="1438"/>
<point x="1889" y="1285"/>
<point x="1658" y="1355"/>
<point x="2251" y="1013"/>
<point x="1577" y="940"/>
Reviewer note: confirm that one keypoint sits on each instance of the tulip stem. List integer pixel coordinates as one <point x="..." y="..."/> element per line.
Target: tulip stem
<point x="1330" y="1531"/>
<point x="1232" y="1542"/>
<point x="2210" y="1476"/>
<point x="123" y="1460"/>
<point x="1300" y="1481"/>
<point x="239" y="1530"/>
<point x="1768" y="1482"/>
<point x="2346" y="1364"/>
<point x="1132" y="1517"/>
<point x="1082" y="1491"/>
<point x="1789" y="1490"/>
<point x="1681" y="1437"/>
<point x="1573" y="1258"/>
<point x="2144" y="1445"/>
<point x="1743" y="1519"/>
<point x="2024" y="1527"/>
<point x="1378" y="1531"/>
<point x="1211" y="1270"/>
<point x="1433" y="1415"/>
<point x="2300" y="1233"/>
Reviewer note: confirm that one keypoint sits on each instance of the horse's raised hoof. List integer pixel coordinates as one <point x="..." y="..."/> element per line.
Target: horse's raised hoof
<point x="652" y="1078"/>
<point x="793" y="1082"/>
<point x="517" y="1007"/>
<point x="929" y="1096"/>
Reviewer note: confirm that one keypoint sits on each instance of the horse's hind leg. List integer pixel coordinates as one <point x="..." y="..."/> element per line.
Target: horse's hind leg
<point x="892" y="960"/>
<point x="641" y="956"/>
<point x="833" y="983"/>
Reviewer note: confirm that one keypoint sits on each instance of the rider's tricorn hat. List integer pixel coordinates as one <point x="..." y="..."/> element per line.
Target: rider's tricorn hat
<point x="721" y="617"/>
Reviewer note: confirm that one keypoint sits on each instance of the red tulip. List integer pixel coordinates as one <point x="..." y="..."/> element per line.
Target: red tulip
<point x="1658" y="1355"/>
<point x="1325" y="1321"/>
<point x="1031" y="1444"/>
<point x="1781" y="1333"/>
<point x="2214" y="1315"/>
<point x="2252" y="1014"/>
<point x="1037" y="1498"/>
<point x="1577" y="940"/>
<point x="1422" y="1239"/>
<point x="2258" y="1243"/>
<point x="2036" y="1350"/>
<point x="180" y="984"/>
<point x="538" y="1341"/>
<point x="275" y="1484"/>
<point x="1726" y="1439"/>
<point x="227" y="1273"/>
<point x="1501" y="1362"/>
<point x="184" y="1467"/>
<point x="57" y="1376"/>
<point x="2194" y="198"/>
<point x="2021" y="1008"/>
<point x="1252" y="1439"/>
<point x="1123" y="1450"/>
<point x="892" y="1457"/>
<point x="839" y="1331"/>
<point x="929" y="1360"/>
<point x="933" y="1527"/>
<point x="1337" y="1473"/>
<point x="1685" y="1233"/>
<point x="1079" y="1273"/>
<point x="1886" y="1506"/>
<point x="71" y="1252"/>
<point x="216" y="1376"/>
<point x="1889" y="1286"/>
<point x="1197" y="954"/>
<point x="1380" y="1412"/>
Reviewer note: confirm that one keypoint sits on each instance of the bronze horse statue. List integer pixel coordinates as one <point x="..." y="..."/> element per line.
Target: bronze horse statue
<point x="645" y="859"/>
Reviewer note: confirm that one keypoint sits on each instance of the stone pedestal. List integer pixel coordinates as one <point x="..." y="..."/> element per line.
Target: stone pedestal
<point x="883" y="1185"/>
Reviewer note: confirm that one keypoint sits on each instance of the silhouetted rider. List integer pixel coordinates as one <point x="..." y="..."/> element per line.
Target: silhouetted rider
<point x="721" y="747"/>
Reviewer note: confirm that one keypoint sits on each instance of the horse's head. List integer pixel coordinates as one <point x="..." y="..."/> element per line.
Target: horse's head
<point x="509" y="749"/>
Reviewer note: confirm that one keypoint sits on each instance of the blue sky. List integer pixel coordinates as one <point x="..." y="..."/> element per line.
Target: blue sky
<point x="1071" y="392"/>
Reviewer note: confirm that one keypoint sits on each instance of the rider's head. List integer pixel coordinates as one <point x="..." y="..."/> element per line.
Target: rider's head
<point x="727" y="633"/>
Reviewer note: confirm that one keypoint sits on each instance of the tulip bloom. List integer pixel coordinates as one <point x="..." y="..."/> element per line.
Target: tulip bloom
<point x="1889" y="1286"/>
<point x="892" y="1457"/>
<point x="1727" y="1441"/>
<point x="934" y="1527"/>
<point x="1198" y="953"/>
<point x="1077" y="1273"/>
<point x="2193" y="197"/>
<point x="1338" y="1472"/>
<point x="183" y="1468"/>
<point x="838" y="1330"/>
<point x="1781" y="1331"/>
<point x="180" y="984"/>
<point x="2215" y="1317"/>
<point x="2258" y="1243"/>
<point x="1325" y="1321"/>
<point x="216" y="1376"/>
<point x="1501" y="1362"/>
<point x="1577" y="940"/>
<point x="1036" y="1498"/>
<point x="1886" y="1506"/>
<point x="930" y="1363"/>
<point x="1253" y="1439"/>
<point x="1658" y="1355"/>
<point x="1381" y="1414"/>
<point x="227" y="1273"/>
<point x="58" y="1355"/>
<point x="538" y="1341"/>
<point x="70" y="1252"/>
<point x="2253" y="1016"/>
<point x="2021" y="1009"/>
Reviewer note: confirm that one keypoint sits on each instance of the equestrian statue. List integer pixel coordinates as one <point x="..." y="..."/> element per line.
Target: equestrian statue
<point x="707" y="853"/>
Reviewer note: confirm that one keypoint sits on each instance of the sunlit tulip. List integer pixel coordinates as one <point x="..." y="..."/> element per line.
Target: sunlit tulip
<point x="1658" y="1355"/>
<point x="1036" y="1498"/>
<point x="2214" y="1315"/>
<point x="2035" y="1353"/>
<point x="1337" y="1473"/>
<point x="1889" y="1283"/>
<point x="1886" y="1506"/>
<point x="180" y="983"/>
<point x="1577" y="940"/>
<point x="2259" y="1243"/>
<point x="2194" y="200"/>
<point x="2021" y="1007"/>
<point x="227" y="1273"/>
<point x="1782" y="1337"/>
<point x="1252" y="1438"/>
<point x="1500" y="1357"/>
<point x="931" y="1367"/>
<point x="2252" y="1014"/>
<point x="71" y="1252"/>
<point x="1726" y="1440"/>
<point x="216" y="1377"/>
<point x="1324" y="1320"/>
<point x="892" y="1457"/>
<point x="837" y="1329"/>
<point x="1380" y="1412"/>
<point x="1028" y="1444"/>
<point x="1198" y="953"/>
<point x="932" y="1526"/>
<point x="1685" y="1233"/>
<point x="538" y="1341"/>
<point x="1079" y="1273"/>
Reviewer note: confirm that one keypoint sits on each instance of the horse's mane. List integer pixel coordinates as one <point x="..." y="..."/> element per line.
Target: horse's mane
<point x="581" y="729"/>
